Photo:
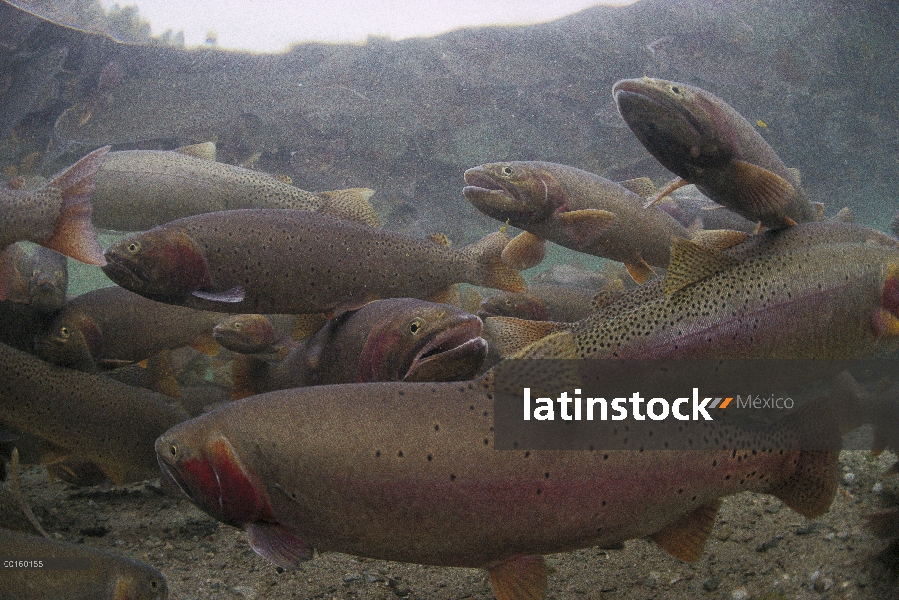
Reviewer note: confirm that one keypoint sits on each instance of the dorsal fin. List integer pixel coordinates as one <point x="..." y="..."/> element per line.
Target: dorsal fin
<point x="691" y="262"/>
<point x="642" y="186"/>
<point x="352" y="204"/>
<point x="441" y="239"/>
<point x="206" y="150"/>
<point x="844" y="215"/>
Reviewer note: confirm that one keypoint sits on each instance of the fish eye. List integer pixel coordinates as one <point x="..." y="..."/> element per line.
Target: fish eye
<point x="674" y="89"/>
<point x="64" y="332"/>
<point x="173" y="450"/>
<point x="506" y="171"/>
<point x="508" y="302"/>
<point x="237" y="325"/>
<point x="134" y="247"/>
<point x="416" y="326"/>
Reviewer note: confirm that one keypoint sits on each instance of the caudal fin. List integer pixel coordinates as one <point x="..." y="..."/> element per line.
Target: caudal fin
<point x="810" y="488"/>
<point x="74" y="236"/>
<point x="489" y="270"/>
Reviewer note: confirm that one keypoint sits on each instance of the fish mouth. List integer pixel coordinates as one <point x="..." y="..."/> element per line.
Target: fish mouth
<point x="643" y="106"/>
<point x="171" y="475"/>
<point x="495" y="197"/>
<point x="453" y="354"/>
<point x="232" y="340"/>
<point x="46" y="346"/>
<point x="122" y="269"/>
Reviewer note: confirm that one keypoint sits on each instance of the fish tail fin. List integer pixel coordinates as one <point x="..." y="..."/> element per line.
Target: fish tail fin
<point x="810" y="487"/>
<point x="489" y="270"/>
<point x="352" y="204"/>
<point x="74" y="236"/>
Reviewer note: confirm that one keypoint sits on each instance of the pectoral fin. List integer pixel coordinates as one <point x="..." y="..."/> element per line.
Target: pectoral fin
<point x="672" y="185"/>
<point x="640" y="271"/>
<point x="760" y="190"/>
<point x="685" y="538"/>
<point x="277" y="544"/>
<point x="719" y="239"/>
<point x="526" y="250"/>
<point x="519" y="578"/>
<point x="232" y="296"/>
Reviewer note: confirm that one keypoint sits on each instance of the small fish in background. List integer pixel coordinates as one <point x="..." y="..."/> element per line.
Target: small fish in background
<point x="47" y="272"/>
<point x="894" y="224"/>
<point x="31" y="85"/>
<point x="57" y="216"/>
<point x="694" y="210"/>
<point x="541" y="303"/>
<point x="398" y="339"/>
<point x="704" y="141"/>
<point x="140" y="189"/>
<point x="253" y="334"/>
<point x="313" y="468"/>
<point x="578" y="210"/>
<point x="109" y="577"/>
<point x="294" y="262"/>
<point x="576" y="274"/>
<point x="112" y="327"/>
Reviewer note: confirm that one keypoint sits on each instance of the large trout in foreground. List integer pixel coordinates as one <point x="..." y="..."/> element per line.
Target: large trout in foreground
<point x="292" y="262"/>
<point x="408" y="472"/>
<point x="817" y="290"/>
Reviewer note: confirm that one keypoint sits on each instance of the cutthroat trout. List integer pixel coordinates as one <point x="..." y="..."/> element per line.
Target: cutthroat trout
<point x="575" y="209"/>
<point x="832" y="300"/>
<point x="112" y="327"/>
<point x="408" y="472"/>
<point x="704" y="141"/>
<point x="292" y="262"/>
<point x="57" y="215"/>
<point x="109" y="577"/>
<point x="88" y="416"/>
<point x="140" y="189"/>
<point x="818" y="290"/>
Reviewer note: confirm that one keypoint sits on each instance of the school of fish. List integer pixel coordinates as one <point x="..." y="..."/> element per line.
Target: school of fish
<point x="353" y="406"/>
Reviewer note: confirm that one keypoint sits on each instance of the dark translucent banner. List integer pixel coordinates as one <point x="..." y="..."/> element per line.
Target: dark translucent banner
<point x="760" y="405"/>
